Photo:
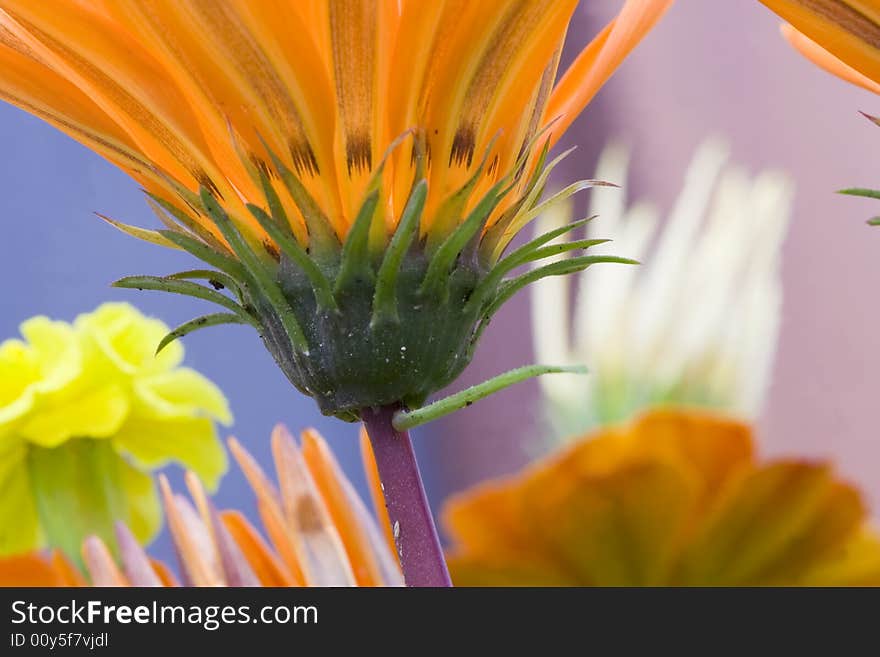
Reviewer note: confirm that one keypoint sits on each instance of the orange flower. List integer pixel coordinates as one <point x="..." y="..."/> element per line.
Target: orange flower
<point x="840" y="36"/>
<point x="184" y="94"/>
<point x="320" y="533"/>
<point x="675" y="498"/>
<point x="349" y="167"/>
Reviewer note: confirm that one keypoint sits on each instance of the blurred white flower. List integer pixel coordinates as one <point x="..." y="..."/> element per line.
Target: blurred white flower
<point x="696" y="323"/>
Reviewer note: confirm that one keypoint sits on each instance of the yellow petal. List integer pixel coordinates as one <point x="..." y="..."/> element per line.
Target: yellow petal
<point x="128" y="339"/>
<point x="55" y="350"/>
<point x="142" y="508"/>
<point x="190" y="442"/>
<point x="182" y="392"/>
<point x="19" y="524"/>
<point x="18" y="373"/>
<point x="97" y="413"/>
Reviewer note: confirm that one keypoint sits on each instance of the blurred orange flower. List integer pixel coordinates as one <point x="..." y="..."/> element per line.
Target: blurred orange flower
<point x="675" y="498"/>
<point x="320" y="533"/>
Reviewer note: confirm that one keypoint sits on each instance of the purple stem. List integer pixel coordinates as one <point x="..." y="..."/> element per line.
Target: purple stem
<point x="415" y="535"/>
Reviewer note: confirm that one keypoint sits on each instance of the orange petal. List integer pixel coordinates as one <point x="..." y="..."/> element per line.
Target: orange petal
<point x="594" y="66"/>
<point x="786" y="513"/>
<point x="32" y="569"/>
<point x="825" y="60"/>
<point x="101" y="565"/>
<point x="269" y="507"/>
<point x="66" y="570"/>
<point x="192" y="541"/>
<point x="328" y="478"/>
<point x="848" y="29"/>
<point x="269" y="570"/>
<point x="318" y="545"/>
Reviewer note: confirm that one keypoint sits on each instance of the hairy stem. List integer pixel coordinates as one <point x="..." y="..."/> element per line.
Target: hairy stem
<point x="415" y="535"/>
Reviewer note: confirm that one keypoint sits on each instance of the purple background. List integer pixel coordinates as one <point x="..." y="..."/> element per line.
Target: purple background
<point x="710" y="68"/>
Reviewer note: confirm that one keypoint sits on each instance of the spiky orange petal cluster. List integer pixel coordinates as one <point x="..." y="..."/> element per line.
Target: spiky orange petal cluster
<point x="184" y="94"/>
<point x="320" y="533"/>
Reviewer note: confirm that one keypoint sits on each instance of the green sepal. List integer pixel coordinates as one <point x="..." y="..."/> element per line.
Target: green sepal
<point x="557" y="249"/>
<point x="143" y="234"/>
<point x="864" y="192"/>
<point x="444" y="258"/>
<point x="503" y="232"/>
<point x="206" y="254"/>
<point x="385" y="297"/>
<point x="511" y="286"/>
<point x="355" y="263"/>
<point x="291" y="248"/>
<point x="522" y="254"/>
<point x="529" y="252"/>
<point x="450" y="211"/>
<point x="263" y="280"/>
<point x="404" y="420"/>
<point x="216" y="279"/>
<point x="216" y="319"/>
<point x="165" y="211"/>
<point x="323" y="242"/>
<point x="174" y="286"/>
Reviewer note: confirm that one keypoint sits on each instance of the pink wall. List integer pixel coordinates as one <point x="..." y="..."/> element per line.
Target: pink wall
<point x="720" y="67"/>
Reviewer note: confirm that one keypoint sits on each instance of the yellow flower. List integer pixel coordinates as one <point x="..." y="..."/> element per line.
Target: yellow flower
<point x="840" y="36"/>
<point x="86" y="410"/>
<point x="354" y="169"/>
<point x="320" y="533"/>
<point x="674" y="498"/>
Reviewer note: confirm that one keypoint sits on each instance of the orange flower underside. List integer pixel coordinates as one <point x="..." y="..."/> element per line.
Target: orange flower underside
<point x="676" y="498"/>
<point x="183" y="94"/>
<point x="840" y="36"/>
<point x="319" y="534"/>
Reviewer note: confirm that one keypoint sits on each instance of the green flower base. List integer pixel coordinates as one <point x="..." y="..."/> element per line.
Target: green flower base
<point x="379" y="319"/>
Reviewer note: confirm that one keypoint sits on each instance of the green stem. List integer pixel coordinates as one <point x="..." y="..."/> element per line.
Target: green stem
<point x="76" y="489"/>
<point x="404" y="420"/>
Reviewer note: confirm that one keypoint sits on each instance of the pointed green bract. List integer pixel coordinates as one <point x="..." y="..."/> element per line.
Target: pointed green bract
<point x="405" y="420"/>
<point x="861" y="191"/>
<point x="217" y="279"/>
<point x="255" y="268"/>
<point x="291" y="249"/>
<point x="323" y="242"/>
<point x="451" y="210"/>
<point x="384" y="316"/>
<point x="355" y="262"/>
<point x="512" y="286"/>
<point x="187" y="288"/>
<point x="205" y="253"/>
<point x="143" y="234"/>
<point x="385" y="297"/>
<point x="215" y="319"/>
<point x="445" y="256"/>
